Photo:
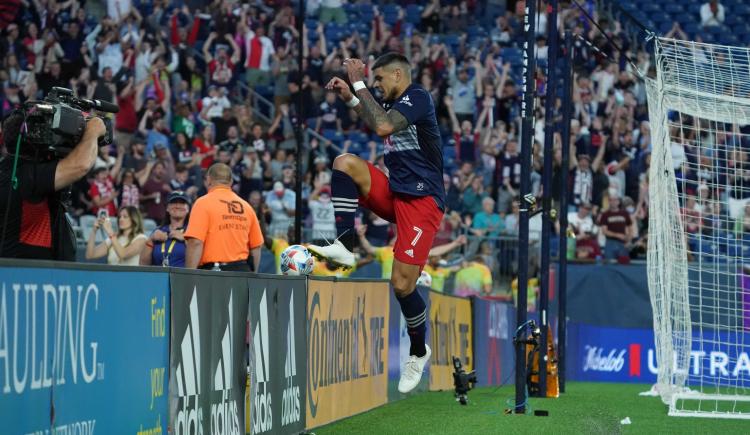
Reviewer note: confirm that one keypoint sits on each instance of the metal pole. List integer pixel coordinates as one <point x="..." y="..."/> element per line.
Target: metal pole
<point x="549" y="137"/>
<point x="527" y="133"/>
<point x="562" y="275"/>
<point x="298" y="129"/>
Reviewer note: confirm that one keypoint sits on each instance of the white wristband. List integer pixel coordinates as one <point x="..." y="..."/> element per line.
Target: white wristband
<point x="353" y="102"/>
<point x="359" y="85"/>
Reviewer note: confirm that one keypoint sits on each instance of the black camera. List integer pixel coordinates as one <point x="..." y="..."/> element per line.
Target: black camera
<point x="56" y="124"/>
<point x="462" y="381"/>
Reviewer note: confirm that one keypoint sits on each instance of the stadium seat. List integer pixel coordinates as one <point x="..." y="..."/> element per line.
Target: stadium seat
<point x="695" y="10"/>
<point x="674" y="8"/>
<point x="729" y="39"/>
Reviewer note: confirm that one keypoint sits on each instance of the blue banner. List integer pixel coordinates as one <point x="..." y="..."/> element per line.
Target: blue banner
<point x="83" y="351"/>
<point x="627" y="355"/>
<point x="494" y="354"/>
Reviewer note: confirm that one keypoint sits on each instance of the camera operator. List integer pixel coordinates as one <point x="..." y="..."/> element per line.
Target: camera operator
<point x="32" y="215"/>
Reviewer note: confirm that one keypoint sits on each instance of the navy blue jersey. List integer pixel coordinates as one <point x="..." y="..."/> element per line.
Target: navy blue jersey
<point x="414" y="155"/>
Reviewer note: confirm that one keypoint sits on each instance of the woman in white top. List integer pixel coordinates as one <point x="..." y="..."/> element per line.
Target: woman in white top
<point x="123" y="247"/>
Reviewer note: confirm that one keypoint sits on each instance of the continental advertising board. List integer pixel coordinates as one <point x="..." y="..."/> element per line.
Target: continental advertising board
<point x="83" y="351"/>
<point x="450" y="335"/>
<point x="347" y="363"/>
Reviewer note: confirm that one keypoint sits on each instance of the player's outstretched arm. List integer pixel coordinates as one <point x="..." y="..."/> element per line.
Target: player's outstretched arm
<point x="381" y="122"/>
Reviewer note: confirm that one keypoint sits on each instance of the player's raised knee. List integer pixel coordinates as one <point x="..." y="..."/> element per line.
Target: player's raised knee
<point x="402" y="285"/>
<point x="346" y="162"/>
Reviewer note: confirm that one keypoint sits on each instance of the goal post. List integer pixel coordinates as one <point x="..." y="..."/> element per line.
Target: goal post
<point x="699" y="227"/>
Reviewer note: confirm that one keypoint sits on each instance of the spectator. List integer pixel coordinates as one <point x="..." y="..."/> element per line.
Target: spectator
<point x="205" y="146"/>
<point x="330" y="113"/>
<point x="283" y="64"/>
<point x="233" y="143"/>
<point x="586" y="243"/>
<point x="382" y="255"/>
<point x="182" y="182"/>
<point x="214" y="104"/>
<point x="474" y="279"/>
<point x="583" y="175"/>
<point x="463" y="90"/>
<point x="512" y="219"/>
<point x="221" y="66"/>
<point x="103" y="194"/>
<point x="332" y="10"/>
<point x="154" y="192"/>
<point x="616" y="226"/>
<point x="465" y="137"/>
<point x="438" y="273"/>
<point x="473" y="196"/>
<point x="281" y="202"/>
<point x="129" y="189"/>
<point x="260" y="50"/>
<point x="321" y="209"/>
<point x="487" y="223"/>
<point x="123" y="247"/>
<point x="712" y="13"/>
<point x="166" y="244"/>
<point x="509" y="165"/>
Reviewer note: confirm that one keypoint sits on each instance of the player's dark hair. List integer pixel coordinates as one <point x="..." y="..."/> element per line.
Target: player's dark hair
<point x="390" y="59"/>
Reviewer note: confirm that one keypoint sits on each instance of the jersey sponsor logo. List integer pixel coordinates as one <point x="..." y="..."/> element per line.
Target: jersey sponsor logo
<point x="420" y="186"/>
<point x="262" y="415"/>
<point x="406" y="101"/>
<point x="290" y="408"/>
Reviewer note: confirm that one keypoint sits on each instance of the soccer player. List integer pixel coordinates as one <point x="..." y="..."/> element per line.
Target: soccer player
<point x="413" y="198"/>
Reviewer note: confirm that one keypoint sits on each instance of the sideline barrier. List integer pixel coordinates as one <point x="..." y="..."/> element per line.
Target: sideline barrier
<point x="207" y="355"/>
<point x="68" y="358"/>
<point x="494" y="353"/>
<point x="314" y="350"/>
<point x="278" y="354"/>
<point x="450" y="335"/>
<point x="347" y="324"/>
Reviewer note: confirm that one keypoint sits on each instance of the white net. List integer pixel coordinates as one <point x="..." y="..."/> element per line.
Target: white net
<point x="699" y="227"/>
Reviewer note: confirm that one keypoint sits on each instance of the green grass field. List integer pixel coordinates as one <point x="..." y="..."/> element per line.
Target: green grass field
<point x="586" y="408"/>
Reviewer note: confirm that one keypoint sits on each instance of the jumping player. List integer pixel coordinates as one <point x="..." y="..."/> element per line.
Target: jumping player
<point x="413" y="198"/>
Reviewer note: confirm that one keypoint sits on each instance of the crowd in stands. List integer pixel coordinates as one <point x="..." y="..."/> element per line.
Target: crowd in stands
<point x="182" y="72"/>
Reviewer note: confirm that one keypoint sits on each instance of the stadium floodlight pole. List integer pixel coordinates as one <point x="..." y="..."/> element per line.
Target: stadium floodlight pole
<point x="562" y="275"/>
<point x="527" y="134"/>
<point x="547" y="219"/>
<point x="298" y="128"/>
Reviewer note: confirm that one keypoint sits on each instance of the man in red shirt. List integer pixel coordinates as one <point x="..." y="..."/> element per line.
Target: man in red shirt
<point x="102" y="192"/>
<point x="259" y="48"/>
<point x="616" y="226"/>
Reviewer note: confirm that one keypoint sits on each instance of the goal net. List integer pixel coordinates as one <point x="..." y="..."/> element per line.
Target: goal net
<point x="699" y="227"/>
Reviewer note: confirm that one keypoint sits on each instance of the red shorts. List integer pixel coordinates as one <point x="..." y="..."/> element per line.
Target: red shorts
<point x="417" y="218"/>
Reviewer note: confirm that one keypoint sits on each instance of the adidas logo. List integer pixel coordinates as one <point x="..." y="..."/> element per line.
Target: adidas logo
<point x="225" y="414"/>
<point x="290" y="408"/>
<point x="189" y="418"/>
<point x="409" y="252"/>
<point x="262" y="415"/>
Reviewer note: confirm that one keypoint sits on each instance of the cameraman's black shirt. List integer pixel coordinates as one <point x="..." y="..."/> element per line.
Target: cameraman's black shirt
<point x="35" y="217"/>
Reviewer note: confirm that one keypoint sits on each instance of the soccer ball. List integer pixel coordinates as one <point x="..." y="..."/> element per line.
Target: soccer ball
<point x="425" y="279"/>
<point x="296" y="260"/>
